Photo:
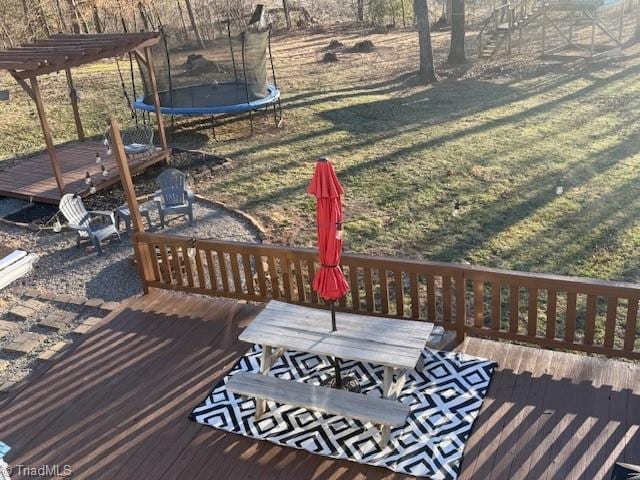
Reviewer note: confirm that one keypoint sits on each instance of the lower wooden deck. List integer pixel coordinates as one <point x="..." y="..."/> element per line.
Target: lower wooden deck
<point x="116" y="406"/>
<point x="32" y="178"/>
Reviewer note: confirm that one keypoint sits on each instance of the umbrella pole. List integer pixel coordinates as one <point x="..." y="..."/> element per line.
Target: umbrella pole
<point x="336" y="360"/>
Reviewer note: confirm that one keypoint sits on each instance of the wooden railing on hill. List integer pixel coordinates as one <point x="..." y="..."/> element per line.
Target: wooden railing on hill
<point x="547" y="310"/>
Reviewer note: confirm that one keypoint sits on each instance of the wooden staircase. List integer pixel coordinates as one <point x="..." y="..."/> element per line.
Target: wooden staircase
<point x="498" y="29"/>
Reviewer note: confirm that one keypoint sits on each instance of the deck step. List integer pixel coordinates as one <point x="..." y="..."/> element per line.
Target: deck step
<point x="321" y="399"/>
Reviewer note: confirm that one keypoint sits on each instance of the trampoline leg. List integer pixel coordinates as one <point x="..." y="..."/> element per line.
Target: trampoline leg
<point x="251" y="122"/>
<point x="213" y="127"/>
<point x="275" y="115"/>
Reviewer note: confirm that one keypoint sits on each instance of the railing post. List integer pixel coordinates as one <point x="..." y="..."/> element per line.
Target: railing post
<point x="461" y="305"/>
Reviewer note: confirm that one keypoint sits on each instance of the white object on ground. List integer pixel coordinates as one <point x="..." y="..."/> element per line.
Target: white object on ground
<point x="15" y="265"/>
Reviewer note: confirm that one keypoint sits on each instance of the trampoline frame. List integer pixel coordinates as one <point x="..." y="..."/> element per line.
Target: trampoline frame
<point x="273" y="96"/>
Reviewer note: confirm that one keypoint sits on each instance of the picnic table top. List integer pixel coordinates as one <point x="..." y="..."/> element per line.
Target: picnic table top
<point x="376" y="340"/>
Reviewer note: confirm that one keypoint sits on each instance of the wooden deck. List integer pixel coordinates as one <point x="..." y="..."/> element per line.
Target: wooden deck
<point x="32" y="178"/>
<point x="116" y="406"/>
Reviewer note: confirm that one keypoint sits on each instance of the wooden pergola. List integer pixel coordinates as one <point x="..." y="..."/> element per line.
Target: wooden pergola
<point x="70" y="162"/>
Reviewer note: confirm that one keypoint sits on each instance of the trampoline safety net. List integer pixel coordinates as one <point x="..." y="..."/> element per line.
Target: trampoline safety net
<point x="227" y="71"/>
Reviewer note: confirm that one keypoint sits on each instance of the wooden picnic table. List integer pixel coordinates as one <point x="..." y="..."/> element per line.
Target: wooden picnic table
<point x="395" y="344"/>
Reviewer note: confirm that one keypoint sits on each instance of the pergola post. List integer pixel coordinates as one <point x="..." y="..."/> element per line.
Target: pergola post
<point x="148" y="62"/>
<point x="145" y="267"/>
<point x="73" y="96"/>
<point x="37" y="98"/>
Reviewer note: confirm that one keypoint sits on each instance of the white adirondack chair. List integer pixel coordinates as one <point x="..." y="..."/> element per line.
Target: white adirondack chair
<point x="85" y="223"/>
<point x="173" y="198"/>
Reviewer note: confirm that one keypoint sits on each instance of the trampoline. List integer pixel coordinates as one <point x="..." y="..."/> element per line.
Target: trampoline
<point x="212" y="99"/>
<point x="214" y="78"/>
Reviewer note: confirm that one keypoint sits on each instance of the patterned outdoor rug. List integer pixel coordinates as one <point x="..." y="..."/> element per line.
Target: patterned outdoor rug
<point x="445" y="399"/>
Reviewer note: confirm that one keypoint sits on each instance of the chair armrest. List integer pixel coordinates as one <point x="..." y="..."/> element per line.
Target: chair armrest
<point x="103" y="213"/>
<point x="190" y="196"/>
<point x="157" y="197"/>
<point x="78" y="227"/>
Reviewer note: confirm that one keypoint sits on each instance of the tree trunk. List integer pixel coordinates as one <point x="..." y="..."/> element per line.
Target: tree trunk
<point x="447" y="10"/>
<point x="287" y="15"/>
<point x="183" y="23"/>
<point x="427" y="71"/>
<point x="61" y="22"/>
<point x="361" y="10"/>
<point x="96" y="20"/>
<point x="194" y="25"/>
<point x="456" y="50"/>
<point x="27" y="17"/>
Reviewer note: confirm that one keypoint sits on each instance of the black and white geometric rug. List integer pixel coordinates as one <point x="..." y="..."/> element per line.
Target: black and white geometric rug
<point x="444" y="398"/>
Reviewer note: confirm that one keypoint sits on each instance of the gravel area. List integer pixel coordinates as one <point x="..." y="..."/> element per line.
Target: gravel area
<point x="63" y="268"/>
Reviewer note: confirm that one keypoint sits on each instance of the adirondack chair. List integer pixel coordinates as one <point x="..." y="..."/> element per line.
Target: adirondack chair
<point x="85" y="223"/>
<point x="173" y="198"/>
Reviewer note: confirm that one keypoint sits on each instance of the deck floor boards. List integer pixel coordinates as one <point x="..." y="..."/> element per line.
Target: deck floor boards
<point x="32" y="178"/>
<point x="116" y="406"/>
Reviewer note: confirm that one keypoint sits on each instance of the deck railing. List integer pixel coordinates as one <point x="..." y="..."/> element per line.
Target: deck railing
<point x="548" y="310"/>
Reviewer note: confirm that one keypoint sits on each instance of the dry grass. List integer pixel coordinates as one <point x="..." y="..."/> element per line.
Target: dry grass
<point x="498" y="137"/>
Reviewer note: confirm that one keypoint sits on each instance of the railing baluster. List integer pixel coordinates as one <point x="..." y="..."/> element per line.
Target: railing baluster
<point x="302" y="296"/>
<point x="355" y="288"/>
<point x="610" y="326"/>
<point x="461" y="306"/>
<point x="273" y="273"/>
<point x="570" y="319"/>
<point x="165" y="264"/>
<point x="514" y="308"/>
<point x="224" y="276"/>
<point x="431" y="298"/>
<point x="175" y="260"/>
<point x="590" y="320"/>
<point x="262" y="283"/>
<point x="235" y="273"/>
<point x="552" y="302"/>
<point x="478" y="303"/>
<point x="211" y="267"/>
<point x="286" y="277"/>
<point x="200" y="269"/>
<point x="532" y="313"/>
<point x="632" y="324"/>
<point x="384" y="290"/>
<point x="399" y="290"/>
<point x="368" y="289"/>
<point x="446" y="299"/>
<point x="187" y="265"/>
<point x="496" y="305"/>
<point x="153" y="254"/>
<point x="415" y="297"/>
<point x="311" y="269"/>
<point x="248" y="273"/>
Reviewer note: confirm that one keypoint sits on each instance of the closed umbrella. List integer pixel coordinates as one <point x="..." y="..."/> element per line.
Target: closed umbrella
<point x="329" y="281"/>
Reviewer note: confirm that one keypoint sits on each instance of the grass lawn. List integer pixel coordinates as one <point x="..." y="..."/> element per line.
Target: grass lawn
<point x="499" y="139"/>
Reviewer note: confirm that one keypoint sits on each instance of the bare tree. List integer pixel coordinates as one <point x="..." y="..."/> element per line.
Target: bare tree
<point x="287" y="15"/>
<point x="456" y="50"/>
<point x="427" y="71"/>
<point x="194" y="24"/>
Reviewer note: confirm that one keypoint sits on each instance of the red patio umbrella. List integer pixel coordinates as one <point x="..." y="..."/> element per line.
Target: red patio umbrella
<point x="329" y="281"/>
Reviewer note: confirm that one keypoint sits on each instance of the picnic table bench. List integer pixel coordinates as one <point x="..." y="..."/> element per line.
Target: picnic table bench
<point x="395" y="344"/>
